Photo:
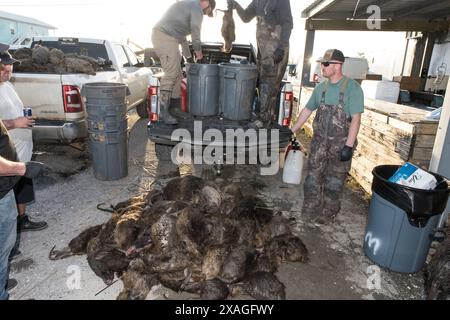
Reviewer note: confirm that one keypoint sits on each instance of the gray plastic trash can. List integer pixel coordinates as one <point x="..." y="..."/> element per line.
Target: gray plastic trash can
<point x="402" y="222"/>
<point x="203" y="89"/>
<point x="108" y="129"/>
<point x="109" y="155"/>
<point x="237" y="90"/>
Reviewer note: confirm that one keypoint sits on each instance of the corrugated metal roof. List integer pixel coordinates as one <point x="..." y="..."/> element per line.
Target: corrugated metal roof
<point x="390" y="9"/>
<point x="19" y="18"/>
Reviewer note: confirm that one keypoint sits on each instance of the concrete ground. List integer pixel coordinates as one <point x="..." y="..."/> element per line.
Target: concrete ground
<point x="67" y="200"/>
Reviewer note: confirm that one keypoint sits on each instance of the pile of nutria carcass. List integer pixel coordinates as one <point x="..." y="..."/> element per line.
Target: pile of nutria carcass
<point x="437" y="272"/>
<point x="192" y="236"/>
<point x="44" y="60"/>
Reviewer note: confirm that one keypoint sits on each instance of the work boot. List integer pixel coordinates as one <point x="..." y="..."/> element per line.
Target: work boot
<point x="11" y="284"/>
<point x="25" y="224"/>
<point x="167" y="118"/>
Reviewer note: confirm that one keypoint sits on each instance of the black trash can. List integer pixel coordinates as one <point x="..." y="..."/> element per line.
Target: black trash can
<point x="402" y="221"/>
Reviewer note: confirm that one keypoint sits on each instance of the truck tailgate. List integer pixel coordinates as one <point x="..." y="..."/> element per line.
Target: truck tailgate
<point x="41" y="92"/>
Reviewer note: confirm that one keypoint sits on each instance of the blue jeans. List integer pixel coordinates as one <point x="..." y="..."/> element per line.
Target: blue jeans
<point x="8" y="230"/>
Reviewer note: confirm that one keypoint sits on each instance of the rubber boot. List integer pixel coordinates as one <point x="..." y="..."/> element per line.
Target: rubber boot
<point x="167" y="118"/>
<point x="175" y="109"/>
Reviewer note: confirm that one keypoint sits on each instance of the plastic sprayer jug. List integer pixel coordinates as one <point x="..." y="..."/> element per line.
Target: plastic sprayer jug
<point x="293" y="166"/>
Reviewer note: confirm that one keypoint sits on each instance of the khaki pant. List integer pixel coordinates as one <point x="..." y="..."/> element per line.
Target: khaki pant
<point x="168" y="51"/>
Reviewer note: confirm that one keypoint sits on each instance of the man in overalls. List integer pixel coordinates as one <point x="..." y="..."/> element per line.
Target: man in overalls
<point x="339" y="102"/>
<point x="273" y="31"/>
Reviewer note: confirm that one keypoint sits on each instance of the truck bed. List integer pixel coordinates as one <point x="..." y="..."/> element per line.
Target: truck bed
<point x="161" y="133"/>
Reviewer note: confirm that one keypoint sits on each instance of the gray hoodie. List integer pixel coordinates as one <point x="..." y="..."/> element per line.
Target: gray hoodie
<point x="182" y="19"/>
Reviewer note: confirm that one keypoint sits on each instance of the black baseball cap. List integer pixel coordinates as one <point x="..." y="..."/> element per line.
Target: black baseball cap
<point x="6" y="58"/>
<point x="332" y="55"/>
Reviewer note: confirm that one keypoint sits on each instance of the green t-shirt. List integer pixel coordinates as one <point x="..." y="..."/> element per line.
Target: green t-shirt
<point x="353" y="98"/>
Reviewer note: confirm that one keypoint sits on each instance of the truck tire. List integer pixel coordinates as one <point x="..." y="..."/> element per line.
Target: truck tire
<point x="141" y="110"/>
<point x="163" y="152"/>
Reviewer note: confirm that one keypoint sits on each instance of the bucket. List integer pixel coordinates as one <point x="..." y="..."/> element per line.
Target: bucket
<point x="203" y="89"/>
<point x="237" y="90"/>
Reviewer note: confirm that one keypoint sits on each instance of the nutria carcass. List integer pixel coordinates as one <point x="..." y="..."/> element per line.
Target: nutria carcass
<point x="261" y="286"/>
<point x="103" y="255"/>
<point x="77" y="246"/>
<point x="437" y="273"/>
<point x="287" y="248"/>
<point x="237" y="265"/>
<point x="228" y="29"/>
<point x="138" y="281"/>
<point x="213" y="261"/>
<point x="183" y="189"/>
<point x="40" y="55"/>
<point x="213" y="289"/>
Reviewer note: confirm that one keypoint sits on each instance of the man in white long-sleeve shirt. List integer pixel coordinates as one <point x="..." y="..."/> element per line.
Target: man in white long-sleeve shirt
<point x="19" y="127"/>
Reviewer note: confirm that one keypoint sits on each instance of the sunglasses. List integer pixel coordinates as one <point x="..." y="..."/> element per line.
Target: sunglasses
<point x="327" y="63"/>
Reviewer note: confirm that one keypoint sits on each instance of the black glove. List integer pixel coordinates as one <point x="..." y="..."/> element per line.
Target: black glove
<point x="230" y="4"/>
<point x="190" y="60"/>
<point x="36" y="169"/>
<point x="346" y="154"/>
<point x="278" y="55"/>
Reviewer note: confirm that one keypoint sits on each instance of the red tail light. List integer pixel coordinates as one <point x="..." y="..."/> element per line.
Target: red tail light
<point x="287" y="108"/>
<point x="152" y="102"/>
<point x="73" y="103"/>
<point x="316" y="78"/>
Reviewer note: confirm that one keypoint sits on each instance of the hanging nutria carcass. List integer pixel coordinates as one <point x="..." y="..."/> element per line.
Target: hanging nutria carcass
<point x="262" y="286"/>
<point x="209" y="290"/>
<point x="228" y="29"/>
<point x="138" y="281"/>
<point x="77" y="246"/>
<point x="437" y="273"/>
<point x="40" y="55"/>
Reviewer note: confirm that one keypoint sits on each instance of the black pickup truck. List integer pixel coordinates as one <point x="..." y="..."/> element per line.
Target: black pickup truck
<point x="275" y="139"/>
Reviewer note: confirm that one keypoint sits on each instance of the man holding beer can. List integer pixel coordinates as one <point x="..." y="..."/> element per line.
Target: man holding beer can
<point x="19" y="122"/>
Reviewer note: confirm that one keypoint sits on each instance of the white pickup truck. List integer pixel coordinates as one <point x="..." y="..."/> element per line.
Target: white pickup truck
<point x="56" y="100"/>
